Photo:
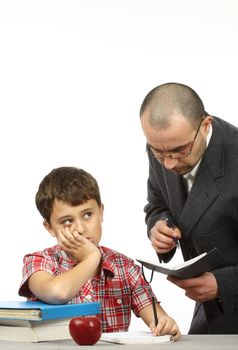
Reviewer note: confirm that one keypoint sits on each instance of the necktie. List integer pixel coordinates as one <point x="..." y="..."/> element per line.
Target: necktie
<point x="190" y="181"/>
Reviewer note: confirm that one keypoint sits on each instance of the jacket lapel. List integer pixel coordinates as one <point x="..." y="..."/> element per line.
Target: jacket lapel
<point x="204" y="191"/>
<point x="201" y="196"/>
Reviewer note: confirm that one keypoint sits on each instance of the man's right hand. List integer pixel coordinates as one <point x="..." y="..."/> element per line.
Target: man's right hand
<point x="163" y="238"/>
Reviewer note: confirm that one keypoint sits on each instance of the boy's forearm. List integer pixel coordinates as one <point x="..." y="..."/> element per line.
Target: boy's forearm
<point x="69" y="283"/>
<point x="62" y="288"/>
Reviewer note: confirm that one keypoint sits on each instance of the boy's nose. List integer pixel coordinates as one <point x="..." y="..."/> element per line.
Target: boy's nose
<point x="79" y="227"/>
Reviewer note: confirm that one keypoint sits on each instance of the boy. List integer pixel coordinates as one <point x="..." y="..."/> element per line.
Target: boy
<point x="78" y="269"/>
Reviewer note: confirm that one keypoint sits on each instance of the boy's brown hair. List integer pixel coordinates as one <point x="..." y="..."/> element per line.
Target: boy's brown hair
<point x="69" y="185"/>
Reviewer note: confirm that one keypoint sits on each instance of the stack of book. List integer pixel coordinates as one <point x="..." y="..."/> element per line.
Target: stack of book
<point x="33" y="321"/>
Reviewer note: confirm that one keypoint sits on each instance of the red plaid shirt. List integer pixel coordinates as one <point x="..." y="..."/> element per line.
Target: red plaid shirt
<point x="120" y="287"/>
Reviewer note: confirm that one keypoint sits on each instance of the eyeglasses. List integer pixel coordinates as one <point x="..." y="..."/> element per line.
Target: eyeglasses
<point x="184" y="152"/>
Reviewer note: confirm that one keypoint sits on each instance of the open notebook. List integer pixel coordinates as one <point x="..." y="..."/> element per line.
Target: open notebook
<point x="134" y="337"/>
<point x="191" y="268"/>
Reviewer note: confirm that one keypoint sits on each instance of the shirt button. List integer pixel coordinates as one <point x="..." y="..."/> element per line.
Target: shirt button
<point x="119" y="301"/>
<point x="88" y="297"/>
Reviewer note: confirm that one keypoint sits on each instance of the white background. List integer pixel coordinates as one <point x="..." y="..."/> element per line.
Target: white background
<point x="72" y="77"/>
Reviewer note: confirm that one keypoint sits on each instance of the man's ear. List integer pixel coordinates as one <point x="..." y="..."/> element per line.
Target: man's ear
<point x="47" y="226"/>
<point x="207" y="123"/>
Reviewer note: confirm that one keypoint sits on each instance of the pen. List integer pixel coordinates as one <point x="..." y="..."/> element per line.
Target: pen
<point x="154" y="310"/>
<point x="171" y="225"/>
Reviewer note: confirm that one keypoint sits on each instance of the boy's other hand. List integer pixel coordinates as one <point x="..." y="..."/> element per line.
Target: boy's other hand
<point x="166" y="325"/>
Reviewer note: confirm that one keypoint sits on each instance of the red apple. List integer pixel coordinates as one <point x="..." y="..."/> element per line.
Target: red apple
<point x="85" y="330"/>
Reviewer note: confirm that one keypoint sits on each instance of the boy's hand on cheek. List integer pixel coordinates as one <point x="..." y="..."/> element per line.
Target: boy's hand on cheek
<point x="75" y="244"/>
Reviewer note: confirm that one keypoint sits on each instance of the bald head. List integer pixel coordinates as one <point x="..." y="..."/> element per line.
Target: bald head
<point x="165" y="101"/>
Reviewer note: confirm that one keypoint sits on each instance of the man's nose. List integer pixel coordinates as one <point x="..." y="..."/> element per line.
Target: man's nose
<point x="170" y="163"/>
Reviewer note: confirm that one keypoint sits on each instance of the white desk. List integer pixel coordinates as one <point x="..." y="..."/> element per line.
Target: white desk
<point x="187" y="342"/>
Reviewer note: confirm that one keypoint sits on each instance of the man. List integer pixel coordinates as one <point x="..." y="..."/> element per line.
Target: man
<point x="193" y="181"/>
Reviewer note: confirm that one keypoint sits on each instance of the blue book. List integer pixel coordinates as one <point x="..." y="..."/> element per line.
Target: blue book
<point x="38" y="311"/>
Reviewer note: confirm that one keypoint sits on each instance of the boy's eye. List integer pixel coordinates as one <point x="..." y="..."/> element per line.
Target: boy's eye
<point x="88" y="214"/>
<point x="67" y="222"/>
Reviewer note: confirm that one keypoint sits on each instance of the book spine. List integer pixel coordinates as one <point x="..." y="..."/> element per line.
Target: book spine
<point x="70" y="310"/>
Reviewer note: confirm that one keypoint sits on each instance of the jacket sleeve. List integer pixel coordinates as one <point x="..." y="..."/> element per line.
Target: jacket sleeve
<point x="156" y="208"/>
<point x="227" y="281"/>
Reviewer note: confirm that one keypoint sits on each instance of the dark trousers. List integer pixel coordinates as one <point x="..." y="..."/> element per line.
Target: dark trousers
<point x="199" y="321"/>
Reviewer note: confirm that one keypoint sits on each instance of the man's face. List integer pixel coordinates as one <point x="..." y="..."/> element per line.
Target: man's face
<point x="180" y="139"/>
<point x="85" y="218"/>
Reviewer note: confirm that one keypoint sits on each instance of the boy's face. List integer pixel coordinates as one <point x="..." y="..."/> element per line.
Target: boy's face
<point x="85" y="218"/>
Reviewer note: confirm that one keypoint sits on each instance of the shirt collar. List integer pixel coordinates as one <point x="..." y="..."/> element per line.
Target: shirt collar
<point x="108" y="259"/>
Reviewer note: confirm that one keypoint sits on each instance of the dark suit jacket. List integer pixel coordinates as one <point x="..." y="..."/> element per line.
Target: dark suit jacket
<point x="208" y="218"/>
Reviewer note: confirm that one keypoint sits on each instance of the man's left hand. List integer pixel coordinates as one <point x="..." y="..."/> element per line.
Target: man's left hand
<point x="202" y="288"/>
